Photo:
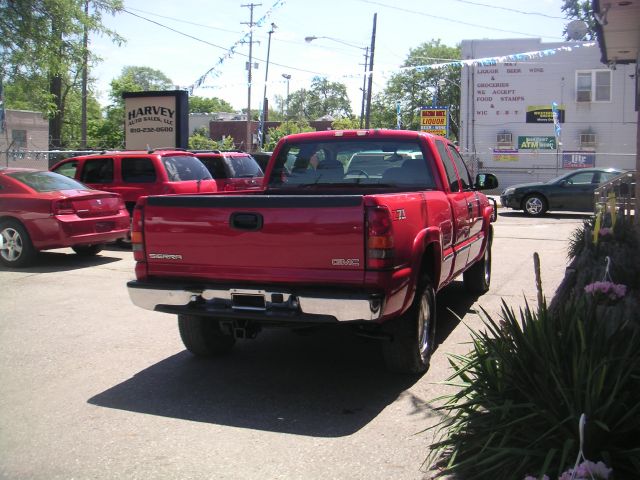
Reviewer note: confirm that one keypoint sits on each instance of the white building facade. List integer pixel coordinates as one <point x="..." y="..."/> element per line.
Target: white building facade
<point x="507" y="110"/>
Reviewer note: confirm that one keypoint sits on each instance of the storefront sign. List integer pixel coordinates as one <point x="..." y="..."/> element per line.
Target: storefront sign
<point x="156" y="119"/>
<point x="505" y="155"/>
<point x="536" y="143"/>
<point x="435" y="120"/>
<point x="543" y="114"/>
<point x="578" y="159"/>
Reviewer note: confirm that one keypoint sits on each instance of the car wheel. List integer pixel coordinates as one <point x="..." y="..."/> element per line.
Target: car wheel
<point x="88" y="250"/>
<point x="478" y="278"/>
<point x="16" y="249"/>
<point x="412" y="334"/>
<point x="535" y="205"/>
<point x="203" y="336"/>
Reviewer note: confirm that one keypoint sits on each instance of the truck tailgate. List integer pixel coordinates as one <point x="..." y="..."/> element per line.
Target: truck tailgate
<point x="308" y="239"/>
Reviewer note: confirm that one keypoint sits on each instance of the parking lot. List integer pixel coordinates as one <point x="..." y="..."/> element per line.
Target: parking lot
<point x="93" y="387"/>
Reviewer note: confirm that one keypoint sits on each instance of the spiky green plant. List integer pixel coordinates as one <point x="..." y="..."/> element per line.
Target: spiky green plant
<point x="522" y="389"/>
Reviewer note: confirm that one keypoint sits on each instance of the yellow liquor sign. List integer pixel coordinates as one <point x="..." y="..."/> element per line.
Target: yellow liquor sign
<point x="435" y="120"/>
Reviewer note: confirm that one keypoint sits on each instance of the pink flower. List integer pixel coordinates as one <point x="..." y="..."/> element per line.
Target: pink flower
<point x="607" y="290"/>
<point x="605" y="232"/>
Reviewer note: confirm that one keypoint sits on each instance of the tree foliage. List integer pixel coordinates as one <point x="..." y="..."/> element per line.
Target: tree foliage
<point x="580" y="10"/>
<point x="41" y="43"/>
<point x="419" y="85"/>
<point x="321" y="99"/>
<point x="285" y="128"/>
<point x="138" y="79"/>
<point x="209" y="105"/>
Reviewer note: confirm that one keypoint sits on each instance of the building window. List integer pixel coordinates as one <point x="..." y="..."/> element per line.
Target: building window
<point x="504" y="139"/>
<point x="19" y="139"/>
<point x="593" y="86"/>
<point x="588" y="139"/>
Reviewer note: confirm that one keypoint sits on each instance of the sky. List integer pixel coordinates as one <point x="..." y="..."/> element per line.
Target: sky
<point x="200" y="42"/>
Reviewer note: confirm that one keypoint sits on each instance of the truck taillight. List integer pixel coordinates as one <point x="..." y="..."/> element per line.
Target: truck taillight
<point x="137" y="237"/>
<point x="379" y="238"/>
<point x="62" y="207"/>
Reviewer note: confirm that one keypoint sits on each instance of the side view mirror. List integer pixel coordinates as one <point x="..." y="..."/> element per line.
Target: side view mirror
<point x="486" y="181"/>
<point x="563" y="183"/>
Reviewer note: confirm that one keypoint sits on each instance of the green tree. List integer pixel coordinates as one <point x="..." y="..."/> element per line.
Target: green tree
<point x="41" y="44"/>
<point x="419" y="84"/>
<point x="109" y="131"/>
<point x="580" y="10"/>
<point x="347" y="123"/>
<point x="285" y="128"/>
<point x="321" y="99"/>
<point x="138" y="79"/>
<point x="209" y="105"/>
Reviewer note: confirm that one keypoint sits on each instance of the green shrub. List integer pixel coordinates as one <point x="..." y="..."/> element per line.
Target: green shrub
<point x="522" y="389"/>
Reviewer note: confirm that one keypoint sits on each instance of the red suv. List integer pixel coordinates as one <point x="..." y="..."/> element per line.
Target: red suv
<point x="232" y="170"/>
<point x="133" y="174"/>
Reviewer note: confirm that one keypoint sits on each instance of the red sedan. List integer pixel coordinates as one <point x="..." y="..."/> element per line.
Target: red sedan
<point x="43" y="210"/>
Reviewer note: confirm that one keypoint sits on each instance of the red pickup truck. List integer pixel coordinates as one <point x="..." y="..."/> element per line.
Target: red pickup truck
<point x="357" y="228"/>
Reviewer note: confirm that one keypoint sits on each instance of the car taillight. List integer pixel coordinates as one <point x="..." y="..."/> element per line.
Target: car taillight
<point x="379" y="238"/>
<point x="63" y="207"/>
<point x="121" y="204"/>
<point x="137" y="236"/>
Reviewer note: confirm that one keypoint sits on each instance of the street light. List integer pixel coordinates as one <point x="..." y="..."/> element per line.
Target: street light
<point x="265" y="105"/>
<point x="366" y="66"/>
<point x="287" y="77"/>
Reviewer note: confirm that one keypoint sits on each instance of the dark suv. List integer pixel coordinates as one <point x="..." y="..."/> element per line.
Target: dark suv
<point x="133" y="174"/>
<point x="232" y="170"/>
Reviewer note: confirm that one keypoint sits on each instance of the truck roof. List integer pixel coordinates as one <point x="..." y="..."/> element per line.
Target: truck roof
<point x="376" y="133"/>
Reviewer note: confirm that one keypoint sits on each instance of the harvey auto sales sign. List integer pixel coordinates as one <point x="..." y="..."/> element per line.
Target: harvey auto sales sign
<point x="150" y="122"/>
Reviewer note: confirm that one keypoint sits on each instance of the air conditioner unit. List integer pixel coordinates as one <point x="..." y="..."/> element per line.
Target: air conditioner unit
<point x="504" y="139"/>
<point x="587" y="139"/>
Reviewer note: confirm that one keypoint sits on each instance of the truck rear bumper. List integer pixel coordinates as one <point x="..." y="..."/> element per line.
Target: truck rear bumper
<point x="260" y="304"/>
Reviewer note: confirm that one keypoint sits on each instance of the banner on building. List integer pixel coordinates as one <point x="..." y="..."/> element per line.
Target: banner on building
<point x="544" y="114"/>
<point x="435" y="120"/>
<point x="536" y="143"/>
<point x="578" y="159"/>
<point x="505" y="155"/>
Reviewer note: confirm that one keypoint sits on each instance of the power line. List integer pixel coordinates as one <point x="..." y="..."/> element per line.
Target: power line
<point x="218" y="46"/>
<point x="452" y="20"/>
<point x="515" y="10"/>
<point x="184" y="21"/>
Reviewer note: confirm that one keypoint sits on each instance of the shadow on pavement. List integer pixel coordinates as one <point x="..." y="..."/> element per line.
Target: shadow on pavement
<point x="50" y="262"/>
<point x="330" y="383"/>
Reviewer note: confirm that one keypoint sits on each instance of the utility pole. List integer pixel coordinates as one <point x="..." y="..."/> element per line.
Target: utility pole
<point x="364" y="85"/>
<point x="373" y="48"/>
<point x="250" y="6"/>
<point x="85" y="66"/>
<point x="265" y="104"/>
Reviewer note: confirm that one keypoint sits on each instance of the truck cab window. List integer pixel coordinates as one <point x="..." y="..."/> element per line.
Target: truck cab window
<point x="463" y="172"/>
<point x="452" y="177"/>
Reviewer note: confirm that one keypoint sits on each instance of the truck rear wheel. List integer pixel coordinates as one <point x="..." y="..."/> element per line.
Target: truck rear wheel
<point x="413" y="334"/>
<point x="478" y="278"/>
<point x="203" y="336"/>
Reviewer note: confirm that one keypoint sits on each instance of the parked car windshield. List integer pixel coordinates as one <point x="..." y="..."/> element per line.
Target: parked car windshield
<point x="184" y="167"/>
<point x="387" y="163"/>
<point x="47" y="181"/>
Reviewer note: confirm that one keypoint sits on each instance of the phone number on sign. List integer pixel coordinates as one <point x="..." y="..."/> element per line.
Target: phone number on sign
<point x="151" y="129"/>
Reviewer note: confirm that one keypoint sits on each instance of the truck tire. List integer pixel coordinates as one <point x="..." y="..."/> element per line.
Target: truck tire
<point x="203" y="337"/>
<point x="478" y="278"/>
<point x="412" y="334"/>
<point x="16" y="249"/>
